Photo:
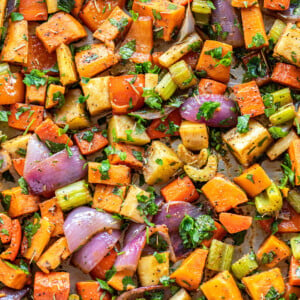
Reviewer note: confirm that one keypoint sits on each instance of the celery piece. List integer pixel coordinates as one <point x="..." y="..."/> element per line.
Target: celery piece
<point x="245" y="265"/>
<point x="295" y="245"/>
<point x="166" y="87"/>
<point x="202" y="19"/>
<point x="283" y="115"/>
<point x="293" y="199"/>
<point x="201" y="7"/>
<point x="219" y="256"/>
<point x="74" y="297"/>
<point x="282" y="97"/>
<point x="73" y="195"/>
<point x="4" y="68"/>
<point x="269" y="201"/>
<point x="276" y="30"/>
<point x="182" y="75"/>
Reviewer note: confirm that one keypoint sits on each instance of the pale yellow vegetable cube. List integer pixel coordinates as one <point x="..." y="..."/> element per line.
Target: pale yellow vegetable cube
<point x="281" y="145"/>
<point x="130" y="204"/>
<point x="122" y="129"/>
<point x="151" y="80"/>
<point x="66" y="65"/>
<point x="151" y="268"/>
<point x="248" y="146"/>
<point x="182" y="294"/>
<point x="194" y="135"/>
<point x="13" y="145"/>
<point x="288" y="45"/>
<point x="72" y="112"/>
<point x="52" y="6"/>
<point x="162" y="163"/>
<point x="98" y="91"/>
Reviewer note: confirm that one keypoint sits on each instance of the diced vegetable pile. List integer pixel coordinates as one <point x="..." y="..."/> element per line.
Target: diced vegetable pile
<point x="150" y="150"/>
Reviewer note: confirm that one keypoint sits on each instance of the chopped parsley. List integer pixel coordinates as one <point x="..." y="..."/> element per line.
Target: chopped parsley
<point x="243" y="124"/>
<point x="31" y="228"/>
<point x="127" y="50"/>
<point x="119" y="24"/>
<point x="207" y="110"/>
<point x="257" y="40"/>
<point x="15" y="16"/>
<point x="36" y="77"/>
<point x="65" y="5"/>
<point x="104" y="169"/>
<point x="4" y="115"/>
<point x="195" y="230"/>
<point x="24" y="186"/>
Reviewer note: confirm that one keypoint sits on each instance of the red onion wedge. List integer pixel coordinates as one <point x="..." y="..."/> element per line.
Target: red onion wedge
<point x="56" y="171"/>
<point x="87" y="257"/>
<point x="225" y="15"/>
<point x="224" y="116"/>
<point x="11" y="294"/>
<point x="138" y="293"/>
<point x="83" y="222"/>
<point x="176" y="209"/>
<point x="36" y="152"/>
<point x="132" y="252"/>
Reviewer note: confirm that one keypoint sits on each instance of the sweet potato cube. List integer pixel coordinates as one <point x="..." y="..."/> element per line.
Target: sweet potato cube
<point x="254" y="30"/>
<point x="19" y="204"/>
<point x="36" y="95"/>
<point x="49" y="131"/>
<point x="33" y="10"/>
<point x="25" y="117"/>
<point x="134" y="155"/>
<point x="190" y="272"/>
<point x="109" y="31"/>
<point x="109" y="197"/>
<point x="116" y="175"/>
<point x="277" y="247"/>
<point x="253" y="180"/>
<point x="51" y="211"/>
<point x="60" y="28"/>
<point x="209" y="64"/>
<point x="95" y="60"/>
<point x="54" y="95"/>
<point x="166" y="18"/>
<point x="12" y="88"/>
<point x="38" y="56"/>
<point x="249" y="99"/>
<point x="90" y="140"/>
<point x="221" y="286"/>
<point x="141" y="31"/>
<point x="95" y="12"/>
<point x="223" y="194"/>
<point x="259" y="284"/>
<point x="15" y="49"/>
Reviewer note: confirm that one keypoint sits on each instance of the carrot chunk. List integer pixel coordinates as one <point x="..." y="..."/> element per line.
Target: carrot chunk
<point x="223" y="194"/>
<point x="25" y="117"/>
<point x="61" y="28"/>
<point x="181" y="189"/>
<point x="278" y="248"/>
<point x="55" y="285"/>
<point x="249" y="99"/>
<point x="253" y="180"/>
<point x="235" y="223"/>
<point x="190" y="272"/>
<point x="210" y="60"/>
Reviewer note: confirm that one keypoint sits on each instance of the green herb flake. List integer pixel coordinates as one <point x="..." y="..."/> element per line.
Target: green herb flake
<point x="207" y="110"/>
<point x="127" y="50"/>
